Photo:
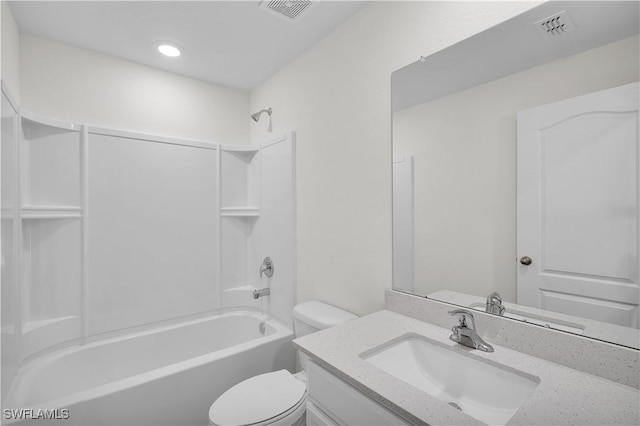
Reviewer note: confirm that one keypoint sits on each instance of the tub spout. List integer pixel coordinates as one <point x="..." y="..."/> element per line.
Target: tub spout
<point x="262" y="292"/>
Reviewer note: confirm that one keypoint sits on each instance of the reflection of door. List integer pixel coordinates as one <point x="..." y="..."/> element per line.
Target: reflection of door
<point x="578" y="199"/>
<point x="403" y="224"/>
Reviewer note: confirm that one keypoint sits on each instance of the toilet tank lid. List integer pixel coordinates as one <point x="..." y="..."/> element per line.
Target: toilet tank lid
<point x="320" y="315"/>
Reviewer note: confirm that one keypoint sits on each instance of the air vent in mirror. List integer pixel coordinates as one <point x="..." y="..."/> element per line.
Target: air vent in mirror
<point x="555" y="25"/>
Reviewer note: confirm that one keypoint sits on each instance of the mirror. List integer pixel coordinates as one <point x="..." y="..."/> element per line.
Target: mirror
<point x="516" y="171"/>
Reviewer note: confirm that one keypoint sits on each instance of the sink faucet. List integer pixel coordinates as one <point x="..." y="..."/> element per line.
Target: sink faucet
<point x="465" y="332"/>
<point x="494" y="304"/>
<point x="262" y="292"/>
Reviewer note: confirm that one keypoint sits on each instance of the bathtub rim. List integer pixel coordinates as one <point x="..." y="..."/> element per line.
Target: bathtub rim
<point x="146" y="328"/>
<point x="281" y="331"/>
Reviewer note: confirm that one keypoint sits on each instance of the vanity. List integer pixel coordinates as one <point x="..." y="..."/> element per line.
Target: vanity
<point x="502" y="191"/>
<point x="389" y="368"/>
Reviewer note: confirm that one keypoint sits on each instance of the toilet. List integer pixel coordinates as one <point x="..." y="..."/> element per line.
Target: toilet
<point x="277" y="398"/>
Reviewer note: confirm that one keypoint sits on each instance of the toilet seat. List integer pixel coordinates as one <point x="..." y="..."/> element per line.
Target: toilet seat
<point x="260" y="400"/>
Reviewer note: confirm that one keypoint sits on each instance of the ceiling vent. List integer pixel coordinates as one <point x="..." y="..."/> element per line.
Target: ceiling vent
<point x="555" y="25"/>
<point x="291" y="10"/>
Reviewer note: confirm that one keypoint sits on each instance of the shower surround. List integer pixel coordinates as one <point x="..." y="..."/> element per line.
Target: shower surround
<point x="113" y="235"/>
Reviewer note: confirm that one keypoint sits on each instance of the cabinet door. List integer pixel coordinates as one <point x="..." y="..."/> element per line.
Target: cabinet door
<point x="343" y="403"/>
<point x="316" y="417"/>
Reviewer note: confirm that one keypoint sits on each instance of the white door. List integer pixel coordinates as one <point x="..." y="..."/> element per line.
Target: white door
<point x="578" y="200"/>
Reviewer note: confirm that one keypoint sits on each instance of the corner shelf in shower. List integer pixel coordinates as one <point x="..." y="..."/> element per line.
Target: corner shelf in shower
<point x="50" y="153"/>
<point x="49" y="203"/>
<point x="240" y="212"/>
<point x="51" y="212"/>
<point x="241" y="149"/>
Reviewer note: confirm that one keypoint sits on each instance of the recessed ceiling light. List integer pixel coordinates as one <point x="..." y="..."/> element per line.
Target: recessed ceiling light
<point x="168" y="49"/>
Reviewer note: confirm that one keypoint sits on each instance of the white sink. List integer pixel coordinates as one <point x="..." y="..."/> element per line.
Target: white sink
<point x="487" y="392"/>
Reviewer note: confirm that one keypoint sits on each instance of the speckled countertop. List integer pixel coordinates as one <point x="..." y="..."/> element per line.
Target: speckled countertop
<point x="564" y="396"/>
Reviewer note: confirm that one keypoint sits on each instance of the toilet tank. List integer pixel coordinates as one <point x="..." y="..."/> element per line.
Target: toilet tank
<point x="309" y="317"/>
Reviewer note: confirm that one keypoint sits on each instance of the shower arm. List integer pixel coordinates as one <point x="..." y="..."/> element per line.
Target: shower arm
<point x="256" y="116"/>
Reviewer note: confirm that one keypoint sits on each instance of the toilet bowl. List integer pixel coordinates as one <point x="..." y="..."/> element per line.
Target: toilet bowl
<point x="277" y="398"/>
<point x="274" y="399"/>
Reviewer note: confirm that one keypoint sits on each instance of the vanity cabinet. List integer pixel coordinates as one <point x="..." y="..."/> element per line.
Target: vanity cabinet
<point x="331" y="401"/>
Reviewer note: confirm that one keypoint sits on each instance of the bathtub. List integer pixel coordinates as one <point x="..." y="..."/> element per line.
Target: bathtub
<point x="166" y="376"/>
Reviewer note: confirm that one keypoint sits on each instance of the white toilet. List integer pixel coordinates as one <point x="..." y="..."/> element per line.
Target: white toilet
<point x="277" y="398"/>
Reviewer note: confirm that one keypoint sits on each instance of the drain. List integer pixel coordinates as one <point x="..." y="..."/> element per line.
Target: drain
<point x="456" y="406"/>
<point x="261" y="328"/>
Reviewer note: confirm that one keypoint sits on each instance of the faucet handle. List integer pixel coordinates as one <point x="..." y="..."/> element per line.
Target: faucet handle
<point x="266" y="267"/>
<point x="494" y="304"/>
<point x="464" y="317"/>
<point x="494" y="298"/>
<point x="465" y="333"/>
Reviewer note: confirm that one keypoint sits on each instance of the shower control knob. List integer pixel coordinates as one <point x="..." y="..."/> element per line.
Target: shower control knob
<point x="267" y="267"/>
<point x="526" y="260"/>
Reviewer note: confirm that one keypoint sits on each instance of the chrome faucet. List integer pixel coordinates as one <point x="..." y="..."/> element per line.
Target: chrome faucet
<point x="465" y="332"/>
<point x="266" y="267"/>
<point x="262" y="292"/>
<point x="494" y="304"/>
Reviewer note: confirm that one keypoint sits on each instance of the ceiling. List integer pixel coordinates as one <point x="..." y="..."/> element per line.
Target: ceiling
<point x="230" y="43"/>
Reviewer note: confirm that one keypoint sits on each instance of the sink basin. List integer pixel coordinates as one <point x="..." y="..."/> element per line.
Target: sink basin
<point x="487" y="392"/>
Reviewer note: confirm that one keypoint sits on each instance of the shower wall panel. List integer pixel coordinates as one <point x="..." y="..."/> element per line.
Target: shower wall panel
<point x="153" y="234"/>
<point x="9" y="272"/>
<point x="278" y="222"/>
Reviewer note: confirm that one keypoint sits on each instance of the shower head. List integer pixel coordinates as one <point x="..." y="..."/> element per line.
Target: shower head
<point x="256" y="116"/>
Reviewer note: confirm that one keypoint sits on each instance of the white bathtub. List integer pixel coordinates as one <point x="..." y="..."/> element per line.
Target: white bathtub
<point x="166" y="376"/>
